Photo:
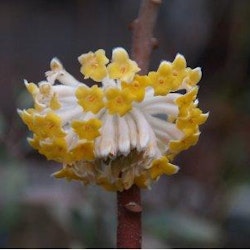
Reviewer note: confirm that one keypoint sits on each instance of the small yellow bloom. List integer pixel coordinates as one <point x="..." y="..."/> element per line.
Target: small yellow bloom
<point x="68" y="173"/>
<point x="55" y="150"/>
<point x="86" y="174"/>
<point x="142" y="181"/>
<point x="34" y="142"/>
<point x="54" y="103"/>
<point x="121" y="67"/>
<point x="187" y="125"/>
<point x="190" y="124"/>
<point x="187" y="98"/>
<point x="161" y="80"/>
<point x="180" y="72"/>
<point x="118" y="101"/>
<point x="107" y="185"/>
<point x="94" y="65"/>
<point x="83" y="151"/>
<point x="167" y="78"/>
<point x="34" y="91"/>
<point x="91" y="99"/>
<point x="186" y="101"/>
<point x="162" y="166"/>
<point x="179" y="63"/>
<point x="194" y="76"/>
<point x="27" y="117"/>
<point x="137" y="87"/>
<point x="49" y="125"/>
<point x="45" y="89"/>
<point x="88" y="130"/>
<point x="178" y="146"/>
<point x="32" y="88"/>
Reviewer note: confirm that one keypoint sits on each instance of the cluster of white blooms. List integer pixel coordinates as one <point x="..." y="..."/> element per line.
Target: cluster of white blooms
<point x="124" y="132"/>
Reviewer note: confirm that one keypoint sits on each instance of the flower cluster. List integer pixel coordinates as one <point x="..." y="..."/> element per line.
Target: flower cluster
<point x="125" y="130"/>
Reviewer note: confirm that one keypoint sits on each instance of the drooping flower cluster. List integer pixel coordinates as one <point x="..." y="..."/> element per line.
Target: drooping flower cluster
<point x="124" y="132"/>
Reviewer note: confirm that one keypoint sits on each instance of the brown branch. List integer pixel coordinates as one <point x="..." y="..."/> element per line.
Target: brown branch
<point x="129" y="201"/>
<point x="143" y="41"/>
<point x="129" y="218"/>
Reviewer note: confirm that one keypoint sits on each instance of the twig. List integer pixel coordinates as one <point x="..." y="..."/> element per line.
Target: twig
<point x="129" y="218"/>
<point x="142" y="40"/>
<point x="129" y="201"/>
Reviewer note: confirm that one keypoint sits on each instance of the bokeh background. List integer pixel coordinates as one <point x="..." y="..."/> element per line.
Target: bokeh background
<point x="206" y="205"/>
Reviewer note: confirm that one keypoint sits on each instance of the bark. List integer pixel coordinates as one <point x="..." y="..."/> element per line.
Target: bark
<point x="129" y="218"/>
<point x="129" y="201"/>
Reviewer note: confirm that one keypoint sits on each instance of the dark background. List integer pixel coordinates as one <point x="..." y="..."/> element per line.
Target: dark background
<point x="207" y="204"/>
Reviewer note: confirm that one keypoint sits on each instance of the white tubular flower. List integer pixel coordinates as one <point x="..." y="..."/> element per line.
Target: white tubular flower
<point x="125" y="132"/>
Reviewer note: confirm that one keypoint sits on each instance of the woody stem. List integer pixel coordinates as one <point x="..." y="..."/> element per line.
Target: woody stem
<point x="129" y="201"/>
<point x="129" y="218"/>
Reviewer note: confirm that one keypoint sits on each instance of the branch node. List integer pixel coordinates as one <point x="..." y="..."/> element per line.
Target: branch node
<point x="132" y="24"/>
<point x="155" y="43"/>
<point x="133" y="207"/>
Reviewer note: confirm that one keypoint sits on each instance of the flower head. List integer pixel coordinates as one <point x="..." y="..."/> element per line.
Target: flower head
<point x="93" y="65"/>
<point x="125" y="132"/>
<point x="122" y="67"/>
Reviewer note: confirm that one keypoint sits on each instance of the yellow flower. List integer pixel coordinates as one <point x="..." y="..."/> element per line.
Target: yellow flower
<point x="34" y="91"/>
<point x="137" y="87"/>
<point x="86" y="174"/>
<point x="109" y="186"/>
<point x="121" y="67"/>
<point x="162" y="166"/>
<point x="55" y="150"/>
<point x="88" y="130"/>
<point x="54" y="103"/>
<point x="94" y="65"/>
<point x="118" y="101"/>
<point x="190" y="123"/>
<point x="179" y="63"/>
<point x="32" y="88"/>
<point x="49" y="125"/>
<point x="34" y="142"/>
<point x="178" y="146"/>
<point x="162" y="79"/>
<point x="142" y="181"/>
<point x="44" y="126"/>
<point x="125" y="131"/>
<point x="27" y="117"/>
<point x="169" y="76"/>
<point x="91" y="99"/>
<point x="68" y="173"/>
<point x="186" y="101"/>
<point x="194" y="76"/>
<point x="83" y="151"/>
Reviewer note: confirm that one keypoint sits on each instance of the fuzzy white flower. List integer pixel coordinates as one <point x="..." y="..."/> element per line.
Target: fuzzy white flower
<point x="125" y="132"/>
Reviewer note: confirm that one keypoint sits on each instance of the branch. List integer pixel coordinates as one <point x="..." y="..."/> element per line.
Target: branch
<point x="143" y="40"/>
<point x="129" y="218"/>
<point x="129" y="201"/>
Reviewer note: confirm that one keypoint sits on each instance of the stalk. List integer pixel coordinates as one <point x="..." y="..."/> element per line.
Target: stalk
<point x="129" y="218"/>
<point x="129" y="201"/>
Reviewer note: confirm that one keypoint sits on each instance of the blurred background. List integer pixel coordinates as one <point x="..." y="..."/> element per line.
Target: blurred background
<point x="206" y="205"/>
